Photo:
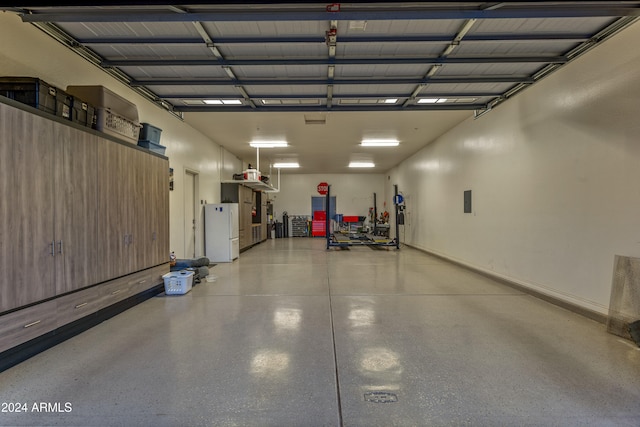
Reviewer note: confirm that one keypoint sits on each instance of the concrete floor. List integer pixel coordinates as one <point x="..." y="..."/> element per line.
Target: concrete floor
<point x="294" y="335"/>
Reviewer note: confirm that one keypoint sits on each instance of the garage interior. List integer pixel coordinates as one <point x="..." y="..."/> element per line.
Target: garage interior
<point x="513" y="137"/>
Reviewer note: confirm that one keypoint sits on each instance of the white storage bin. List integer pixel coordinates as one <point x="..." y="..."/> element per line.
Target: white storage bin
<point x="251" y="175"/>
<point x="113" y="124"/>
<point x="178" y="282"/>
<point x="101" y="97"/>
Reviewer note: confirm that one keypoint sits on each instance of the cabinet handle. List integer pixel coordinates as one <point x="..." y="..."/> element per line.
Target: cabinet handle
<point x="117" y="291"/>
<point x="80" y="305"/>
<point x="60" y="247"/>
<point x="53" y="249"/>
<point x="32" y="324"/>
<point x="142" y="281"/>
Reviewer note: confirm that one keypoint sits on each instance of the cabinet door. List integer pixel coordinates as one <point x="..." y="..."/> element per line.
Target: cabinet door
<point x="265" y="227"/>
<point x="244" y="216"/>
<point x="76" y="208"/>
<point x="114" y="209"/>
<point x="159" y="204"/>
<point x="139" y="202"/>
<point x="26" y="208"/>
<point x="150" y="203"/>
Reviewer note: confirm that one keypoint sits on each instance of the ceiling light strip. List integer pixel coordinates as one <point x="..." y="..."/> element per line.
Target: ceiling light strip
<point x="268" y="144"/>
<point x="286" y="165"/>
<point x="380" y="142"/>
<point x="362" y="165"/>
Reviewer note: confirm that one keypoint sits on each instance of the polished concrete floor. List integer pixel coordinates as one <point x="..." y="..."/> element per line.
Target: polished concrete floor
<point x="294" y="335"/>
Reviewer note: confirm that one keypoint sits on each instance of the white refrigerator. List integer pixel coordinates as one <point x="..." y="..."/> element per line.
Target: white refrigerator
<point x="221" y="232"/>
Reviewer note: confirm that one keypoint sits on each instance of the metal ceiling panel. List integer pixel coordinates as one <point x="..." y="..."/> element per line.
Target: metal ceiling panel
<point x="345" y="50"/>
<point x="130" y="29"/>
<point x="400" y="27"/>
<point x="581" y="25"/>
<point x="451" y="70"/>
<point x="159" y="51"/>
<point x="383" y="58"/>
<point x="290" y="50"/>
<point x="383" y="91"/>
<point x="176" y="72"/>
<point x="191" y="91"/>
<point x="443" y="90"/>
<point x="287" y="90"/>
<point x="281" y="71"/>
<point x="382" y="70"/>
<point x="392" y="49"/>
<point x="265" y="28"/>
<point x="546" y="48"/>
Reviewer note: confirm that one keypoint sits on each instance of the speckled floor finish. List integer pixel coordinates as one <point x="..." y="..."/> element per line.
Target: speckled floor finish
<point x="294" y="335"/>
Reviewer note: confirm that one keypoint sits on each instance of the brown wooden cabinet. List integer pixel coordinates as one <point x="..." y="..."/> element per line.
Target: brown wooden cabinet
<point x="27" y="241"/>
<point x="114" y="209"/>
<point x="75" y="207"/>
<point x="133" y="206"/>
<point x="84" y="222"/>
<point x="245" y="197"/>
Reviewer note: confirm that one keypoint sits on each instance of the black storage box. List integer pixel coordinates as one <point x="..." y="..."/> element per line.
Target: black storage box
<point x="64" y="103"/>
<point x="83" y="113"/>
<point x="31" y="91"/>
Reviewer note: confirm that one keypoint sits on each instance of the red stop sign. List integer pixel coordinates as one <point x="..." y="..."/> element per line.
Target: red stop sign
<point x="323" y="188"/>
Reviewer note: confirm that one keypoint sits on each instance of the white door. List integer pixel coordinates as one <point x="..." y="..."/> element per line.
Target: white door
<point x="189" y="214"/>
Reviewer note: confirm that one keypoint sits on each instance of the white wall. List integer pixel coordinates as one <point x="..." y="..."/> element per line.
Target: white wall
<point x="26" y="51"/>
<point x="555" y="176"/>
<point x="354" y="193"/>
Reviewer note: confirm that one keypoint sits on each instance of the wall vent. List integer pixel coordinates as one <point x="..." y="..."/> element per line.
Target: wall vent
<point x="315" y="119"/>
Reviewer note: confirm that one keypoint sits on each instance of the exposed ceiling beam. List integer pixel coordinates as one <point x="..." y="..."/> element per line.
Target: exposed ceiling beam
<point x="359" y="107"/>
<point x="466" y="27"/>
<point x="323" y="82"/>
<point x="503" y="38"/>
<point x="338" y="97"/>
<point x="333" y="61"/>
<point x="153" y="15"/>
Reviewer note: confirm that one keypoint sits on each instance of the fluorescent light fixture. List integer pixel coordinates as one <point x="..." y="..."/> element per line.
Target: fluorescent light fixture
<point x="361" y="164"/>
<point x="222" y="101"/>
<point x="286" y="165"/>
<point x="432" y="100"/>
<point x="380" y="143"/>
<point x="391" y="100"/>
<point x="268" y="144"/>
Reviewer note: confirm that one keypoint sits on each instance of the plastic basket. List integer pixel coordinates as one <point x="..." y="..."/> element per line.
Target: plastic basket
<point x="178" y="282"/>
<point x="114" y="124"/>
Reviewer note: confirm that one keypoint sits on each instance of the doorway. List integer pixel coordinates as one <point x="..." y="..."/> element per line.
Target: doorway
<point x="318" y="204"/>
<point x="190" y="197"/>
